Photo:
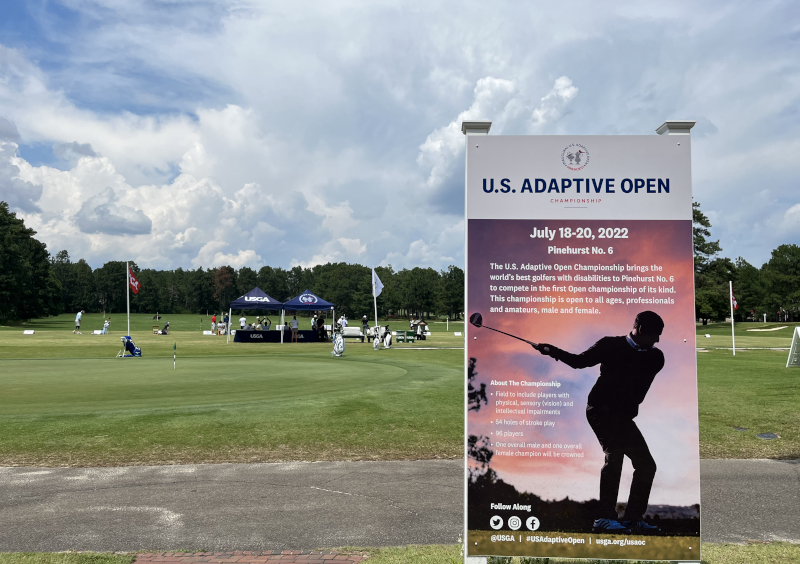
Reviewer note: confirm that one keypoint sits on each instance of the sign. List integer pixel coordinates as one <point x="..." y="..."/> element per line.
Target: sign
<point x="794" y="352"/>
<point x="581" y="358"/>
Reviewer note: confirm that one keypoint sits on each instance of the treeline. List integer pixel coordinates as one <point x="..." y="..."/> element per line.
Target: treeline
<point x="35" y="284"/>
<point x="773" y="289"/>
<point x="418" y="291"/>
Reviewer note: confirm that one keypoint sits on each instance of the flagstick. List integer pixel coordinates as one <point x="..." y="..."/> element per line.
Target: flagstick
<point x="733" y="334"/>
<point x="128" y="294"/>
<point x="174" y="354"/>
<point x="375" y="302"/>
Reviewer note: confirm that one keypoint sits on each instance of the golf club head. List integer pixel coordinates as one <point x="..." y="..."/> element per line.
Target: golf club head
<point x="476" y="319"/>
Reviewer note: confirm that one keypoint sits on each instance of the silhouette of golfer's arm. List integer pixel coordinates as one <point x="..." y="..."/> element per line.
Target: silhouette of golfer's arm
<point x="590" y="357"/>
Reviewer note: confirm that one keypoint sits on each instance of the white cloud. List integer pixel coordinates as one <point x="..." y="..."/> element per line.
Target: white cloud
<point x="553" y="103"/>
<point x="442" y="147"/>
<point x="286" y="133"/>
<point x="103" y="214"/>
<point x="208" y="255"/>
<point x="17" y="193"/>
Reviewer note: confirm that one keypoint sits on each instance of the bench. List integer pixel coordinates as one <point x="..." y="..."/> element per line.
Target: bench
<point x="352" y="333"/>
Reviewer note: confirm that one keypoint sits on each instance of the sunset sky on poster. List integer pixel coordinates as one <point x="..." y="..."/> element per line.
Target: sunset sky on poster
<point x="668" y="415"/>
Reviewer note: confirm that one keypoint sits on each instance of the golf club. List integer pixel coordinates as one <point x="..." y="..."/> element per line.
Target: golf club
<point x="476" y="319"/>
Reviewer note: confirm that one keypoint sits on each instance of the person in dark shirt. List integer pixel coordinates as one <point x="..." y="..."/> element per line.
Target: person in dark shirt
<point x="628" y="366"/>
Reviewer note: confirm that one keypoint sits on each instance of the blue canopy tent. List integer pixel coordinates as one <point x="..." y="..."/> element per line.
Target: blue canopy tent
<point x="307" y="301"/>
<point x="255" y="299"/>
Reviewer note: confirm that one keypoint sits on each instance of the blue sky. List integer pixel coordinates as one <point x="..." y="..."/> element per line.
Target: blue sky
<point x="182" y="133"/>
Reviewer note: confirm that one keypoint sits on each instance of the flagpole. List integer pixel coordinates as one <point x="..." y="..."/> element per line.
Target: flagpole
<point x="375" y="303"/>
<point x="733" y="334"/>
<point x="128" y="294"/>
<point x="375" y="295"/>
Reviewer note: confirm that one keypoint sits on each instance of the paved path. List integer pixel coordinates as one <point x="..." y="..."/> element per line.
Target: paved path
<point x="251" y="557"/>
<point x="750" y="500"/>
<point x="217" y="507"/>
<point x="272" y="507"/>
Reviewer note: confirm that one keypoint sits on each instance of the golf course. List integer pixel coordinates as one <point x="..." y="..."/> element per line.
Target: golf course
<point x="68" y="401"/>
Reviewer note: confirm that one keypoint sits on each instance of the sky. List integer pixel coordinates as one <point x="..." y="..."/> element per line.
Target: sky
<point x="180" y="133"/>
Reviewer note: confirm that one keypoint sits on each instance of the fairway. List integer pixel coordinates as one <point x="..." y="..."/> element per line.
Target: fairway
<point x="748" y="335"/>
<point x="68" y="401"/>
<point x="753" y="391"/>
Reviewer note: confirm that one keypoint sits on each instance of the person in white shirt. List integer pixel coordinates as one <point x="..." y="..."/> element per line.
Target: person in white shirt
<point x="344" y="321"/>
<point x="105" y="326"/>
<point x="314" y="322"/>
<point x="78" y="323"/>
<point x="242" y="322"/>
<point x="295" y="326"/>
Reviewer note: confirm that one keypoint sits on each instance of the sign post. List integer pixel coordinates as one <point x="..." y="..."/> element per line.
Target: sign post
<point x="580" y="346"/>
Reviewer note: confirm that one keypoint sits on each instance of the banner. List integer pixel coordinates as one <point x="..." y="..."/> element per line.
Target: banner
<point x="582" y="430"/>
<point x="134" y="283"/>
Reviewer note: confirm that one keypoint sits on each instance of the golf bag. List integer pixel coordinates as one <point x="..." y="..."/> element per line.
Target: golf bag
<point x="377" y="337"/>
<point x="130" y="348"/>
<point x="387" y="338"/>
<point x="338" y="341"/>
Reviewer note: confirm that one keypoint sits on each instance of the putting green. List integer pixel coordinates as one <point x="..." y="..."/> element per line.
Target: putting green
<point x="274" y="403"/>
<point x="98" y="386"/>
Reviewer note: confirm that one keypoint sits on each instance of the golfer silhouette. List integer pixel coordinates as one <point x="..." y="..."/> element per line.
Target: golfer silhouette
<point x="628" y="366"/>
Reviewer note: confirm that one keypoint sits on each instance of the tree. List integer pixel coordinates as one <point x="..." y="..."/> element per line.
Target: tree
<point x="782" y="281"/>
<point x="451" y="292"/>
<point x="224" y="286"/>
<point x="111" y="283"/>
<point x="478" y="450"/>
<point x="749" y="290"/>
<point x="711" y="274"/>
<point x="28" y="286"/>
<point x="273" y="282"/>
<point x="247" y="280"/>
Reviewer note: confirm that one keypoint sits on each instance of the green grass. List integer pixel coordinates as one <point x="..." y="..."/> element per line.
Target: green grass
<point x="755" y="391"/>
<point x="752" y="553"/>
<point x="720" y="335"/>
<point x="68" y="402"/>
<point x="418" y="554"/>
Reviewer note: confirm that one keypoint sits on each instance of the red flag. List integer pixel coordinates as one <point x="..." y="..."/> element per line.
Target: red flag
<point x="735" y="304"/>
<point x="135" y="285"/>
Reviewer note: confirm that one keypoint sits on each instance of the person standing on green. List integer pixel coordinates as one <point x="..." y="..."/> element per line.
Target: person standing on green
<point x="78" y="323"/>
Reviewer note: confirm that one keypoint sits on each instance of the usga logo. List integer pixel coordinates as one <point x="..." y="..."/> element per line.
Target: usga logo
<point x="308" y="299"/>
<point x="256" y="299"/>
<point x="256" y="336"/>
<point x="575" y="156"/>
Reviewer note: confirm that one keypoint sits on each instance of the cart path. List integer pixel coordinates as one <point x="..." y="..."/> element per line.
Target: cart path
<point x="217" y="507"/>
<point x="313" y="505"/>
<point x="251" y="557"/>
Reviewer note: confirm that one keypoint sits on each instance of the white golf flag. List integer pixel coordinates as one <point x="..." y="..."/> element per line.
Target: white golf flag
<point x="377" y="285"/>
